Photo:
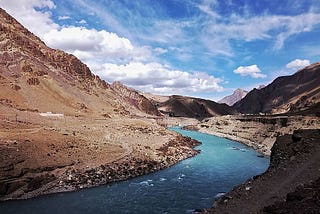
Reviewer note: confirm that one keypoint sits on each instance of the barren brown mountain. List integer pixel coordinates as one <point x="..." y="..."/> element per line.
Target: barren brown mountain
<point x="63" y="128"/>
<point x="181" y="106"/>
<point x="295" y="93"/>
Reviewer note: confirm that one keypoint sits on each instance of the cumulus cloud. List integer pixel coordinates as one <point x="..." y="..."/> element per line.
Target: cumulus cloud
<point x="158" y="78"/>
<point x="298" y="63"/>
<point x="112" y="57"/>
<point x="115" y="58"/>
<point x="37" y="20"/>
<point x="92" y="45"/>
<point x="252" y="70"/>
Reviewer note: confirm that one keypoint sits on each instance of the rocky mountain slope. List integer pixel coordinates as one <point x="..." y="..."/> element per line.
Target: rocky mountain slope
<point x="180" y="106"/>
<point x="135" y="99"/>
<point x="63" y="128"/>
<point x="36" y="78"/>
<point x="39" y="79"/>
<point x="294" y="93"/>
<point x="236" y="96"/>
<point x="290" y="185"/>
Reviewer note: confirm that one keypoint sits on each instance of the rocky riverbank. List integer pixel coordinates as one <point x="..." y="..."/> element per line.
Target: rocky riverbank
<point x="258" y="132"/>
<point x="169" y="154"/>
<point x="290" y="185"/>
<point x="64" y="155"/>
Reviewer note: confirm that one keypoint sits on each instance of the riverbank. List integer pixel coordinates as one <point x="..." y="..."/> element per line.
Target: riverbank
<point x="178" y="189"/>
<point x="49" y="155"/>
<point x="290" y="185"/>
<point x="258" y="132"/>
<point x="292" y="182"/>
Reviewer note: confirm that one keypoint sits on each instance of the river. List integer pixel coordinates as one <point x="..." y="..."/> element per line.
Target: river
<point x="190" y="184"/>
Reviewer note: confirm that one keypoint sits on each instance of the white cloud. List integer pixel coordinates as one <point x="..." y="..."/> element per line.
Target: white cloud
<point x="115" y="58"/>
<point x="97" y="46"/>
<point x="63" y="17"/>
<point x="97" y="9"/>
<point x="218" y="33"/>
<point x="298" y="63"/>
<point x="37" y="21"/>
<point x="205" y="6"/>
<point x="160" y="51"/>
<point x="158" y="78"/>
<point x="82" y="21"/>
<point x="252" y="70"/>
<point x="112" y="57"/>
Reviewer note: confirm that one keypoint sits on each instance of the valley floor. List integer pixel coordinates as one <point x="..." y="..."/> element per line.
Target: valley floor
<point x="47" y="153"/>
<point x="44" y="153"/>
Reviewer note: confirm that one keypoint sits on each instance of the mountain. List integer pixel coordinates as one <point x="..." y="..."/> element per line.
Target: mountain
<point x="135" y="99"/>
<point x="39" y="79"/>
<point x="233" y="98"/>
<point x="294" y="93"/>
<point x="181" y="106"/>
<point x="63" y="128"/>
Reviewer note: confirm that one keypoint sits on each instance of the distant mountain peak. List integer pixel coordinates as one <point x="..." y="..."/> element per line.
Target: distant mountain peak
<point x="237" y="95"/>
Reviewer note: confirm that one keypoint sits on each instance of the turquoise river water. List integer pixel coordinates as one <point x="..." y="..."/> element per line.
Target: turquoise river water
<point x="190" y="184"/>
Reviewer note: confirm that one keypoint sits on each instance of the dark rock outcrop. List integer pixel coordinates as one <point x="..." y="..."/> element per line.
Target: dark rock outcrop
<point x="305" y="199"/>
<point x="290" y="185"/>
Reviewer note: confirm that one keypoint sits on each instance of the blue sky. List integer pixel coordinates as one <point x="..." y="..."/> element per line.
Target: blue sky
<point x="203" y="48"/>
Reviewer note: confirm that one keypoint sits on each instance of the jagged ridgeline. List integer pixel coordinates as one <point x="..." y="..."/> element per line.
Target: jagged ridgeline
<point x="298" y="93"/>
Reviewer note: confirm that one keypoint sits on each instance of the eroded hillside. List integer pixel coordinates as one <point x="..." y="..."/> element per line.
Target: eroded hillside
<point x="63" y="128"/>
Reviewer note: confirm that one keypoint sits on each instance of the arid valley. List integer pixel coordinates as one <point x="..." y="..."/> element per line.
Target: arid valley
<point x="63" y="128"/>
